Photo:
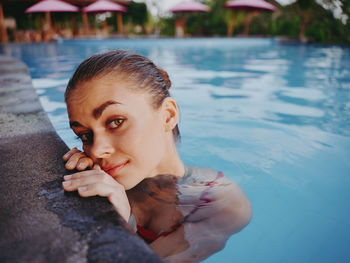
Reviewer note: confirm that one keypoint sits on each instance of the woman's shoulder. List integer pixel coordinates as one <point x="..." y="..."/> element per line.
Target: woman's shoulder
<point x="202" y="175"/>
<point x="220" y="195"/>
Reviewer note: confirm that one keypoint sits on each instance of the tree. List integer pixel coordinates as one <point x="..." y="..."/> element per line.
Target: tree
<point x="312" y="13"/>
<point x="137" y="14"/>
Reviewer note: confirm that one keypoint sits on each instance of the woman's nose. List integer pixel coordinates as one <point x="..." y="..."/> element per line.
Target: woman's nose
<point x="101" y="147"/>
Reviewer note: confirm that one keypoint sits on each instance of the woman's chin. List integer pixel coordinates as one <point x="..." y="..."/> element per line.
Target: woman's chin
<point x="127" y="182"/>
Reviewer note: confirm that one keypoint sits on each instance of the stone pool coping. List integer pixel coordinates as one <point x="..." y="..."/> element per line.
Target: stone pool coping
<point x="39" y="221"/>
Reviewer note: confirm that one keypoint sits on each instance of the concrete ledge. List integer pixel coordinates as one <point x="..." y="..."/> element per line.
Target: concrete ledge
<point x="39" y="221"/>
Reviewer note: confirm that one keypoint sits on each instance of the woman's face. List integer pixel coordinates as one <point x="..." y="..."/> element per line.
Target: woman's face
<point x="119" y="128"/>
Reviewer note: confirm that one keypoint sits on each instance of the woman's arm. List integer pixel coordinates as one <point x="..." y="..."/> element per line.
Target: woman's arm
<point x="234" y="210"/>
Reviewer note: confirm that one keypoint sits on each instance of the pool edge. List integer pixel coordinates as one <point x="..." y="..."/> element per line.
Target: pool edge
<point x="40" y="222"/>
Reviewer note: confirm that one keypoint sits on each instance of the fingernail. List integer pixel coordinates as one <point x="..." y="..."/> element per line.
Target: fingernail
<point x="67" y="177"/>
<point x="82" y="189"/>
<point x="80" y="165"/>
<point x="67" y="183"/>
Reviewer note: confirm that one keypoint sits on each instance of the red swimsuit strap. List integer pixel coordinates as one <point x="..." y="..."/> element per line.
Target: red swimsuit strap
<point x="146" y="233"/>
<point x="151" y="236"/>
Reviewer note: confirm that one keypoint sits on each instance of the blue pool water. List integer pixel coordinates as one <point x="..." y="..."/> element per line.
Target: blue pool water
<point x="273" y="117"/>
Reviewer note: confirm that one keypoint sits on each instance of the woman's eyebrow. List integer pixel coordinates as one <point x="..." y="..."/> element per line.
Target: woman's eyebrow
<point x="97" y="112"/>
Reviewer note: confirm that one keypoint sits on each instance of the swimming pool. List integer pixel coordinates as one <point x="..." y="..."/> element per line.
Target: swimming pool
<point x="273" y="117"/>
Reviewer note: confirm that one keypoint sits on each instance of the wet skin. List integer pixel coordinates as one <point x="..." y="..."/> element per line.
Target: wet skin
<point x="129" y="146"/>
<point x="126" y="138"/>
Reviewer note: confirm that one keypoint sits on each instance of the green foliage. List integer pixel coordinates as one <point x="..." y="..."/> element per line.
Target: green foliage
<point x="167" y="26"/>
<point x="137" y="14"/>
<point x="320" y="24"/>
<point x="28" y="21"/>
<point x="304" y="18"/>
<point x="327" y="30"/>
<point x="261" y="24"/>
<point x="283" y="25"/>
<point x="217" y="18"/>
<point x="209" y="24"/>
<point x="306" y="4"/>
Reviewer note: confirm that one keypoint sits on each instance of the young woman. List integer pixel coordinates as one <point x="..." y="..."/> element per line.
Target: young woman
<point x="119" y="106"/>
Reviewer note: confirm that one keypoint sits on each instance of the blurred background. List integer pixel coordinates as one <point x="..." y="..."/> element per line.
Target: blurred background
<point x="257" y="103"/>
<point x="324" y="21"/>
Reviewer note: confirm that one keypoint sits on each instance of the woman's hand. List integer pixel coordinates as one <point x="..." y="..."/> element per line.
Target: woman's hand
<point x="97" y="182"/>
<point x="77" y="160"/>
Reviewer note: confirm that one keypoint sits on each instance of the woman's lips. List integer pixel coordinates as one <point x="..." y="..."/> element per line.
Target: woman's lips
<point x="114" y="170"/>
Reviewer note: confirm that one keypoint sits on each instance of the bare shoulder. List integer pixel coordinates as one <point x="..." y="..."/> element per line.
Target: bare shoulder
<point x="226" y="203"/>
<point x="236" y="205"/>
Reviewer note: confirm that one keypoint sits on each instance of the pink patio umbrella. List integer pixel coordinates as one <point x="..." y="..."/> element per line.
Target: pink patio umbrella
<point x="185" y="7"/>
<point x="47" y="6"/>
<point x="253" y="7"/>
<point x="189" y="6"/>
<point x="51" y="6"/>
<point x="107" y="6"/>
<point x="251" y="4"/>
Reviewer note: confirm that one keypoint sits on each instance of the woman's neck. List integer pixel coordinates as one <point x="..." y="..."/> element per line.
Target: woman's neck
<point x="142" y="204"/>
<point x="171" y="163"/>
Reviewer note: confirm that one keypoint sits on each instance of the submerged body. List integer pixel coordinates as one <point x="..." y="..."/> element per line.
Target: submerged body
<point x="191" y="217"/>
<point x="119" y="106"/>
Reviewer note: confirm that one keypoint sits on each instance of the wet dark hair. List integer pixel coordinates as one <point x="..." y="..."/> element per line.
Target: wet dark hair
<point x="129" y="66"/>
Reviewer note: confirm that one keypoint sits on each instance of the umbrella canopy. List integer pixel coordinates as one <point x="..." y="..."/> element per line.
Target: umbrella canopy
<point x="51" y="6"/>
<point x="251" y="4"/>
<point x="104" y="6"/>
<point x="189" y="6"/>
<point x="252" y="7"/>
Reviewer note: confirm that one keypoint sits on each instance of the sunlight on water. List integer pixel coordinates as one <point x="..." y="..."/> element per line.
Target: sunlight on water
<point x="275" y="118"/>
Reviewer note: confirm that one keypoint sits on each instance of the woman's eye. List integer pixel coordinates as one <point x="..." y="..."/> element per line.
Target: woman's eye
<point x="115" y="123"/>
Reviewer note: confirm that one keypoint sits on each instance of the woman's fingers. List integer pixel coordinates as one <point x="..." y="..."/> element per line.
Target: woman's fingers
<point x="70" y="153"/>
<point x="77" y="159"/>
<point x="86" y="174"/>
<point x="96" y="189"/>
<point x="84" y="163"/>
<point x="77" y="175"/>
<point x="72" y="163"/>
<point x="74" y="181"/>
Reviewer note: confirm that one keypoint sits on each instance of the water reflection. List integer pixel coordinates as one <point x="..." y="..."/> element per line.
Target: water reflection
<point x="188" y="219"/>
<point x="286" y="84"/>
<point x="275" y="118"/>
